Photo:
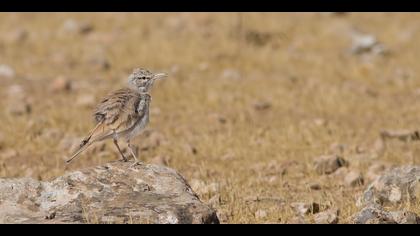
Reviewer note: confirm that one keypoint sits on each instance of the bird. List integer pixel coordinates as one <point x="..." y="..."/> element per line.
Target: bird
<point x="122" y="114"/>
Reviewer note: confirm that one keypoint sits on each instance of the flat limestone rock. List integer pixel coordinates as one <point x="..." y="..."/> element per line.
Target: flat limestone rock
<point x="111" y="193"/>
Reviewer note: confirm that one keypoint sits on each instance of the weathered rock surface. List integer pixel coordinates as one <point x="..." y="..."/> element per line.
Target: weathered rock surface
<point x="396" y="186"/>
<point x="377" y="215"/>
<point x="399" y="185"/>
<point x="112" y="193"/>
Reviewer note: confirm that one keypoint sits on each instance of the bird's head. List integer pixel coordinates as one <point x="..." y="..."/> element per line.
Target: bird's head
<point x="143" y="79"/>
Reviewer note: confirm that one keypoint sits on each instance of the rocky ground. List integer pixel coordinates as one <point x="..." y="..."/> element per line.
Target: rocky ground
<point x="270" y="117"/>
<point x="114" y="193"/>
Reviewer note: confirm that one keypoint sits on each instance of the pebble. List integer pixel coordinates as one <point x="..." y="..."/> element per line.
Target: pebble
<point x="19" y="107"/>
<point x="315" y="186"/>
<point x="328" y="164"/>
<point x="61" y="84"/>
<point x="7" y="72"/>
<point x="305" y="208"/>
<point x="260" y="214"/>
<point x="231" y="74"/>
<point x="327" y="217"/>
<point x="354" y="179"/>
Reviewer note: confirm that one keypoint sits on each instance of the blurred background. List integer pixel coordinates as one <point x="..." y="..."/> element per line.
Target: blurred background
<point x="251" y="101"/>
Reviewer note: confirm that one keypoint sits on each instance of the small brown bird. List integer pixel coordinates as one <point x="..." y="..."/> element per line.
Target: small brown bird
<point x="123" y="113"/>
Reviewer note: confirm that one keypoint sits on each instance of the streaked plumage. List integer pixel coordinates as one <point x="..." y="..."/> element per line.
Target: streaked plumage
<point x="123" y="113"/>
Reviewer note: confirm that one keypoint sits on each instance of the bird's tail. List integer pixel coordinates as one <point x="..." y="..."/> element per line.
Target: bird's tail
<point x="85" y="143"/>
<point x="89" y="141"/>
<point x="81" y="148"/>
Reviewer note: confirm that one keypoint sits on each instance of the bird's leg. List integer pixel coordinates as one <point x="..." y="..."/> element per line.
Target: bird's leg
<point x="118" y="147"/>
<point x="136" y="161"/>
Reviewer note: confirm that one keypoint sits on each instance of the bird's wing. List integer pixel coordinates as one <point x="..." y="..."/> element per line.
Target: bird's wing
<point x="118" y="111"/>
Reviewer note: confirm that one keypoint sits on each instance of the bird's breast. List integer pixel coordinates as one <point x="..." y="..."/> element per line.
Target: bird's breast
<point x="140" y="125"/>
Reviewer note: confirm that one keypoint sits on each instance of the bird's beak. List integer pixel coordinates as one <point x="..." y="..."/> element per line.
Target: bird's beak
<point x="160" y="76"/>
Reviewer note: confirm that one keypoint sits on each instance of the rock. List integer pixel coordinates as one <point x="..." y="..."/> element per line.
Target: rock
<point x="61" y="84"/>
<point x="203" y="66"/>
<point x="111" y="193"/>
<point x="375" y="170"/>
<point x="99" y="63"/>
<point x="6" y="72"/>
<point x="191" y="149"/>
<point x="297" y="220"/>
<point x="18" y="101"/>
<point x="341" y="173"/>
<point x="224" y="215"/>
<point x="375" y="214"/>
<point x="260" y="214"/>
<point x="323" y="122"/>
<point x="315" y="186"/>
<point x="327" y="217"/>
<point x="103" y="38"/>
<point x="175" y="23"/>
<point x="72" y="26"/>
<point x="401" y="135"/>
<point x="304" y="208"/>
<point x="379" y="147"/>
<point x="17" y="36"/>
<point x="86" y="100"/>
<point x="258" y="38"/>
<point x="261" y="106"/>
<point x="175" y="69"/>
<point x="8" y="153"/>
<point x="354" y="179"/>
<point x="395" y="186"/>
<point x="231" y="74"/>
<point x="327" y="164"/>
<point x="16" y="92"/>
<point x="405" y="217"/>
<point x="366" y="43"/>
<point x="19" y="107"/>
<point x="218" y="118"/>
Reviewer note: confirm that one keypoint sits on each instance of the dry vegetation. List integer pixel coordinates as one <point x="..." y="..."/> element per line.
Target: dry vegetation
<point x="252" y="99"/>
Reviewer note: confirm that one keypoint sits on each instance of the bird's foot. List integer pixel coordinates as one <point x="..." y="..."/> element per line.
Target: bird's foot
<point x="124" y="159"/>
